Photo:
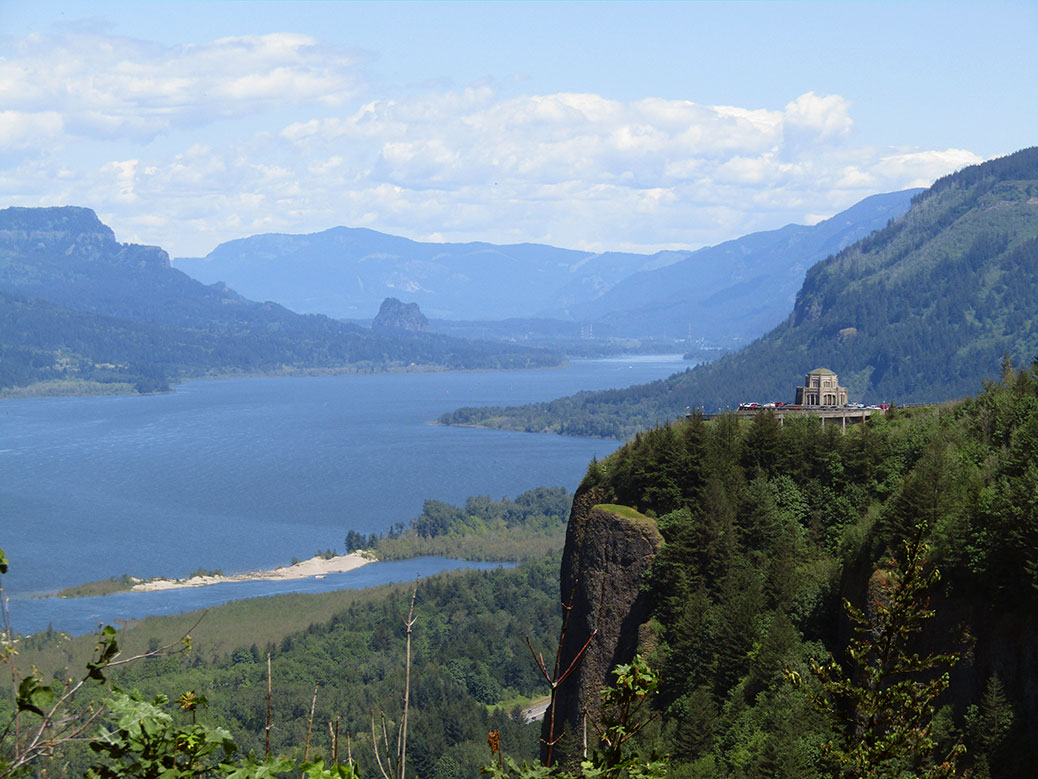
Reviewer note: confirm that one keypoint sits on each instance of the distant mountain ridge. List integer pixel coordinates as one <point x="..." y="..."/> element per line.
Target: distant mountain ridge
<point x="920" y="311"/>
<point x="76" y="305"/>
<point x="346" y="272"/>
<point x="727" y="293"/>
<point x="740" y="288"/>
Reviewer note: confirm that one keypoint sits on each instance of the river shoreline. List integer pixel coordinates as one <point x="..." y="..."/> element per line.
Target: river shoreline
<point x="316" y="566"/>
<point x="82" y="388"/>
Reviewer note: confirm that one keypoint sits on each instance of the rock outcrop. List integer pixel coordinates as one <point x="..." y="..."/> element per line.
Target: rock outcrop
<point x="67" y="234"/>
<point x="608" y="548"/>
<point x="394" y="315"/>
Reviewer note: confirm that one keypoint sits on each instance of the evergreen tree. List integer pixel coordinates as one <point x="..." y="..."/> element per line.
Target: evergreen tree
<point x="884" y="705"/>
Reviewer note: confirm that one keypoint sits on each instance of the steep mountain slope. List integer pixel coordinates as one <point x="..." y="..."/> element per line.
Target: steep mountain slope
<point x="76" y="304"/>
<point x="346" y="272"/>
<point x="921" y="311"/>
<point x="736" y="290"/>
<point x="68" y="257"/>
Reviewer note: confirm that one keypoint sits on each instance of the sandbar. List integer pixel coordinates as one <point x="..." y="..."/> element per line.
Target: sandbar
<point x="315" y="566"/>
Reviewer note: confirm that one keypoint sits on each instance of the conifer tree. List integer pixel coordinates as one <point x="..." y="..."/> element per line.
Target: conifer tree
<point x="884" y="704"/>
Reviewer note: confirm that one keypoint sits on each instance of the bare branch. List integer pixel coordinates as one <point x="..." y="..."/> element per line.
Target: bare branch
<point x="578" y="656"/>
<point x="183" y="643"/>
<point x="408" y="625"/>
<point x="385" y="741"/>
<point x="268" y="707"/>
<point x="374" y="746"/>
<point x="555" y="680"/>
<point x="310" y="726"/>
<point x="539" y="659"/>
<point x="567" y="607"/>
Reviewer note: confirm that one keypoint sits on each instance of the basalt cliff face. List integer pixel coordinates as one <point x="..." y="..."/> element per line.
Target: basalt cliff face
<point x="55" y="239"/>
<point x="608" y="549"/>
<point x="992" y="639"/>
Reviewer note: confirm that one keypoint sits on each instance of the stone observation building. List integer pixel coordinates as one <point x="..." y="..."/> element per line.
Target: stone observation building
<point x="821" y="388"/>
<point x="821" y="397"/>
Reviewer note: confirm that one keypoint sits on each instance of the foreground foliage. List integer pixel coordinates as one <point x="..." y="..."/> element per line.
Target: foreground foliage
<point x="129" y="736"/>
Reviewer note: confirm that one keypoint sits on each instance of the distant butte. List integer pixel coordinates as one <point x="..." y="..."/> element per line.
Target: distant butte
<point x="394" y="315"/>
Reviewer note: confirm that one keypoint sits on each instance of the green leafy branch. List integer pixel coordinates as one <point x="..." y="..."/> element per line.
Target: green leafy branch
<point x="43" y="718"/>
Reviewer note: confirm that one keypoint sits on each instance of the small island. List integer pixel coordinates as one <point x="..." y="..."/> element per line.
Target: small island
<point x="527" y="528"/>
<point x="317" y="566"/>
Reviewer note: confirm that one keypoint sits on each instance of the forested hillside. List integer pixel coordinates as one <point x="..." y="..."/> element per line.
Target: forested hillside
<point x="470" y="668"/>
<point x="921" y="311"/>
<point x="77" y="306"/>
<point x="767" y="528"/>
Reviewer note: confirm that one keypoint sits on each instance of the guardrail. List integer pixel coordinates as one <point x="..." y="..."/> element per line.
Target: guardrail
<point x="842" y="415"/>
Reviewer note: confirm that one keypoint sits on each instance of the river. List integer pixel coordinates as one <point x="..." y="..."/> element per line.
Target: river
<point x="245" y="474"/>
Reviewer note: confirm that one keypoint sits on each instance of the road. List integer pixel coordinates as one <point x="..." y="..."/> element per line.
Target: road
<point x="535" y="711"/>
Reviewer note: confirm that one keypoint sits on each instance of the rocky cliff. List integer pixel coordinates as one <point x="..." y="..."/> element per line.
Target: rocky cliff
<point x="608" y="548"/>
<point x="395" y="315"/>
<point x="61" y="236"/>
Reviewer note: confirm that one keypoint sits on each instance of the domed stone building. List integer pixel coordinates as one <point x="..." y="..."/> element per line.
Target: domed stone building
<point x="821" y="388"/>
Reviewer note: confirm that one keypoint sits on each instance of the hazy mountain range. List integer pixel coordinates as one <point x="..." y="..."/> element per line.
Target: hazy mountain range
<point x="739" y="289"/>
<point x="728" y="293"/>
<point x="78" y="306"/>
<point x="346" y="272"/>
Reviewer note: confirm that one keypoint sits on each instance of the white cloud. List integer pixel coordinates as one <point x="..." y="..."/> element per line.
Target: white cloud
<point x="22" y="129"/>
<point x="136" y="130"/>
<point x="109" y="87"/>
<point x="826" y="117"/>
<point x="920" y="169"/>
<point x="123" y="175"/>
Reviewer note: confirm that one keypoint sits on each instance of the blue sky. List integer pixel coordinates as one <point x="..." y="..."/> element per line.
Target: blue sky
<point x="587" y="125"/>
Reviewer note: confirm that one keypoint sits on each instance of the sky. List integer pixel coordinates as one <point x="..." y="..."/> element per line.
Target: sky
<point x="597" y="126"/>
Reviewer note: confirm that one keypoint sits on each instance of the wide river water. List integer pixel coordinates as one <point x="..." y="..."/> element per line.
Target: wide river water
<point x="246" y="474"/>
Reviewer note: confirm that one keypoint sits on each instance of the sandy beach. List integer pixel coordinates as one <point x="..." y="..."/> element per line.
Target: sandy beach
<point x="315" y="566"/>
